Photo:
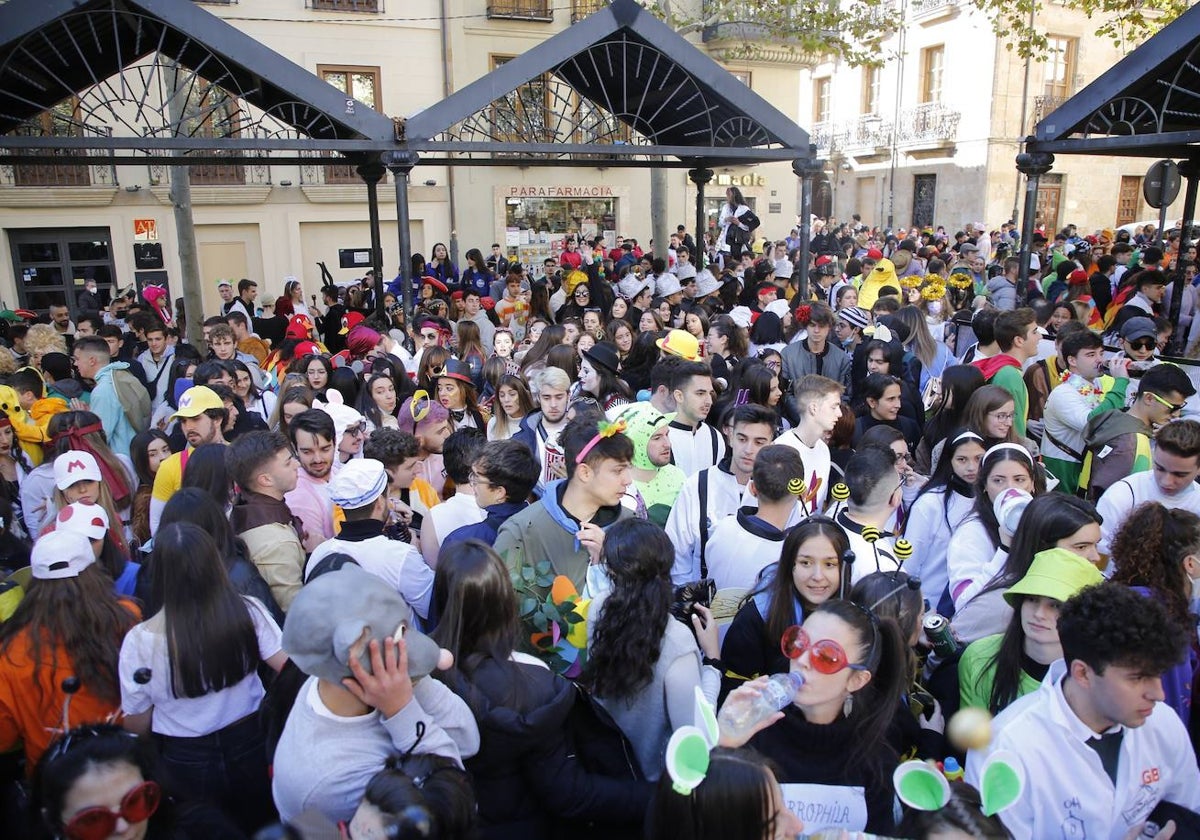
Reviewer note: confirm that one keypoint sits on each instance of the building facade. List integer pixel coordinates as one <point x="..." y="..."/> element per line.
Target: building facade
<point x="930" y="136"/>
<point x="60" y="225"/>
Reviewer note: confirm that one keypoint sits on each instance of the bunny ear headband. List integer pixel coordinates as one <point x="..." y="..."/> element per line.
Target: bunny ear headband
<point x="922" y="786"/>
<point x="689" y="748"/>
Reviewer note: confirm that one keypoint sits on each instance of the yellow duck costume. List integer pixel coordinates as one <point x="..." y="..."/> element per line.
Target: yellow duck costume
<point x="884" y="274"/>
<point x="29" y="434"/>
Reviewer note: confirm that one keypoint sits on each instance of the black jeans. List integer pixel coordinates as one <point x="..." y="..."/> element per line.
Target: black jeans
<point x="227" y="768"/>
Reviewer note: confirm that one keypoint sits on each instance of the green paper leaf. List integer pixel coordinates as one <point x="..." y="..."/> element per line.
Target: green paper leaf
<point x="921" y="790"/>
<point x="528" y="605"/>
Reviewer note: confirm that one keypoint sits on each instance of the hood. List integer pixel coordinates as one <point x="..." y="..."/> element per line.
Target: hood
<point x="552" y="501"/>
<point x="68" y="388"/>
<point x="642" y="420"/>
<point x="106" y="371"/>
<point x="510" y="728"/>
<point x="990" y="366"/>
<point x="1104" y="428"/>
<point x="998" y="283"/>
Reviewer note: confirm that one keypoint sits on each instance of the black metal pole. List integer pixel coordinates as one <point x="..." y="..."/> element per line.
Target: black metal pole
<point x="371" y="172"/>
<point x="1189" y="169"/>
<point x="401" y="165"/>
<point x="1032" y="165"/>
<point x="700" y="176"/>
<point x="806" y="169"/>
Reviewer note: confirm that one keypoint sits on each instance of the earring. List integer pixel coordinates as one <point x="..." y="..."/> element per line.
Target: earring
<point x="848" y="705"/>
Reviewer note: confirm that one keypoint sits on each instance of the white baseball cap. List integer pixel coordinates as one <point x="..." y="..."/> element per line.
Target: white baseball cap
<point x="359" y="483"/>
<point x="75" y="465"/>
<point x="83" y="518"/>
<point x="61" y="554"/>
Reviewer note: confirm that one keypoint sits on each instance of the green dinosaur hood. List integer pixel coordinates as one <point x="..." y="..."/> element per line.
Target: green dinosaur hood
<point x="642" y="420"/>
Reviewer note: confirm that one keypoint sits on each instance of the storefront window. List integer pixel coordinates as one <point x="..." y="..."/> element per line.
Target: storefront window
<point x="537" y="228"/>
<point x="712" y="209"/>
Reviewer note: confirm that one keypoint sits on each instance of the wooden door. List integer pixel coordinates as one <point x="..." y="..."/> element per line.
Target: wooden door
<point x="1129" y="199"/>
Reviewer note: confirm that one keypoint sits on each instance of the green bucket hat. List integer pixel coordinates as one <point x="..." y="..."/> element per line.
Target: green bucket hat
<point x="1055" y="573"/>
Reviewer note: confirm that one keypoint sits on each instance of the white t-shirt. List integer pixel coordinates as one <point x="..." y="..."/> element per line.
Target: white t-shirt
<point x="816" y="467"/>
<point x="145" y="646"/>
<point x="1121" y="498"/>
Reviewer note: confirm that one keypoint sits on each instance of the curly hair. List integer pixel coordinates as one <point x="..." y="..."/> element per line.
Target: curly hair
<point x="629" y="634"/>
<point x="1149" y="548"/>
<point x="42" y="339"/>
<point x="1110" y="624"/>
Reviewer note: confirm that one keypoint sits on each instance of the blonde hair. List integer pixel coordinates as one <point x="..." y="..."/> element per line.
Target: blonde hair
<point x="42" y="339"/>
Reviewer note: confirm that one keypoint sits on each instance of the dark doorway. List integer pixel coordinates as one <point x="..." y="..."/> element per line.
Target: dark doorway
<point x="51" y="265"/>
<point x="924" y="200"/>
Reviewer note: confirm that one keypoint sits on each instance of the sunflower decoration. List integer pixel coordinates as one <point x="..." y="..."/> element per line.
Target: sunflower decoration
<point x="961" y="280"/>
<point x="911" y="281"/>
<point x="933" y="291"/>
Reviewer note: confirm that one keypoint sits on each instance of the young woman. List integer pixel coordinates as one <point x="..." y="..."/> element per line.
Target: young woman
<point x="98" y="781"/>
<point x="378" y="402"/>
<point x="456" y="391"/>
<point x="317" y="369"/>
<point x="92" y="521"/>
<point x="591" y="323"/>
<point x="86" y="484"/>
<point x="651" y="321"/>
<point x="147" y="451"/>
<point x="1157" y="552"/>
<point x="834" y="733"/>
<point x="476" y="275"/>
<point x="696" y="323"/>
<point x="598" y="376"/>
<point x="846" y="297"/>
<point x="513" y="402"/>
<point x="989" y="413"/>
<point x="620" y="334"/>
<point x="812" y="568"/>
<point x="959" y="382"/>
<point x="441" y="267"/>
<point x="347" y="383"/>
<point x="535" y="357"/>
<point x="203" y="648"/>
<point x="636" y="367"/>
<point x="996" y="670"/>
<point x="767" y="332"/>
<point x="732" y="212"/>
<point x="585" y="342"/>
<point x="888" y="358"/>
<point x="975" y="551"/>
<point x="503" y="344"/>
<point x="1052" y="520"/>
<point x="727" y="345"/>
<point x="257" y="402"/>
<point x="882" y="398"/>
<point x="470" y="350"/>
<point x="945" y="501"/>
<point x="295" y="400"/>
<point x="934" y="355"/>
<point x="581" y="298"/>
<point x="566" y="358"/>
<point x="524" y="776"/>
<point x="643" y="666"/>
<point x="14" y="467"/>
<point x="619" y="310"/>
<point x="424" y="793"/>
<point x="68" y="624"/>
<point x="739" y="799"/>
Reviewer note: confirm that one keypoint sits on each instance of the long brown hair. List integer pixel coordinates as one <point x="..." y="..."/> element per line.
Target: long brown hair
<point x="79" y="616"/>
<point x="1149" y="549"/>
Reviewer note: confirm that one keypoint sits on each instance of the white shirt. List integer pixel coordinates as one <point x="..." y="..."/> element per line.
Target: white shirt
<point x="1068" y="794"/>
<point x="725" y="496"/>
<point x="816" y="467"/>
<point x="1121" y="498"/>
<point x="696" y="449"/>
<point x="145" y="646"/>
<point x="971" y="559"/>
<point x="397" y="563"/>
<point x="868" y="557"/>
<point x="929" y="527"/>
<point x="740" y="548"/>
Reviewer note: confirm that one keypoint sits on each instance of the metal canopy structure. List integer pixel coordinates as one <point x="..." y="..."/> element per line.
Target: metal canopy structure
<point x="619" y="87"/>
<point x="1146" y="105"/>
<point x="148" y="80"/>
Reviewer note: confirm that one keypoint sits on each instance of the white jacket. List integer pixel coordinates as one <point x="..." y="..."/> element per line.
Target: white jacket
<point x="725" y="496"/>
<point x="971" y="559"/>
<point x="929" y="533"/>
<point x="1068" y="794"/>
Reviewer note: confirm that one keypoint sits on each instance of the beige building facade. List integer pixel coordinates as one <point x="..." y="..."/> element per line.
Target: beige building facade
<point x="62" y="225"/>
<point x="930" y="137"/>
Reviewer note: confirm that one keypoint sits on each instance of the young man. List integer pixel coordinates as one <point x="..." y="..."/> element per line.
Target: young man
<point x="1100" y="748"/>
<point x="360" y="489"/>
<point x="744" y="544"/>
<point x="539" y="430"/>
<point x="816" y="353"/>
<point x="156" y="361"/>
<point x="60" y="319"/>
<point x="428" y="422"/>
<point x="115" y="389"/>
<point x="1075" y="402"/>
<point x="566" y="526"/>
<point x="311" y="434"/>
<point x="695" y="445"/>
<point x="408" y="493"/>
<point x="202" y="417"/>
<point x="1139" y="341"/>
<point x="656" y="481"/>
<point x="819" y="401"/>
<point x="1118" y="442"/>
<point x="503" y="475"/>
<point x="247" y="293"/>
<point x="1017" y="337"/>
<point x="712" y="494"/>
<point x="473" y="312"/>
<point x="660" y="384"/>
<point x="246" y="342"/>
<point x="225" y="290"/>
<point x="1046" y="374"/>
<point x="458" y="454"/>
<point x="1171" y="480"/>
<point x="349" y="429"/>
<point x="875" y="492"/>
<point x="264" y="468"/>
<point x="1147" y="301"/>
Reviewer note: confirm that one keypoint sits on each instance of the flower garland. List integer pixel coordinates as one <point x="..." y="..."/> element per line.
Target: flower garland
<point x="933" y="291"/>
<point x="911" y="281"/>
<point x="1088" y="389"/>
<point x="960" y="280"/>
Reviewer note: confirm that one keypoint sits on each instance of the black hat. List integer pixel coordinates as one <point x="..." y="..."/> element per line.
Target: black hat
<point x="455" y="369"/>
<point x="605" y="355"/>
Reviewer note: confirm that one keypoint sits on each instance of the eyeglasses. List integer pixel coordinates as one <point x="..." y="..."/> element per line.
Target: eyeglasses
<point x="357" y="429"/>
<point x="1003" y="417"/>
<point x="1144" y="344"/>
<point x="138" y="805"/>
<point x="477" y="480"/>
<point x="826" y="656"/>
<point x="1175" y="409"/>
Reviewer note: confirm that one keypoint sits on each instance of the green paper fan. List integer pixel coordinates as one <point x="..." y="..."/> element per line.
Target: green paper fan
<point x="921" y="785"/>
<point x="687" y="759"/>
<point x="706" y="719"/>
<point x="1001" y="781"/>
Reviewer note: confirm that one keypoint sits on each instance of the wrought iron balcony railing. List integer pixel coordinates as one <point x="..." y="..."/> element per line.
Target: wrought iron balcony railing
<point x="520" y="9"/>
<point x="100" y="171"/>
<point x="1044" y="106"/>
<point x="930" y="121"/>
<point x="581" y="9"/>
<point x="928" y="7"/>
<point x="368" y="6"/>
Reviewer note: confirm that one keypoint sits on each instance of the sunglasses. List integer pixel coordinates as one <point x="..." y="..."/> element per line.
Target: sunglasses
<point x="138" y="805"/>
<point x="1175" y="409"/>
<point x="826" y="656"/>
<point x="1144" y="344"/>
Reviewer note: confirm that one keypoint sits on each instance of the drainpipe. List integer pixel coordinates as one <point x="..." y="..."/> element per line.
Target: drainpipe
<point x="446" y="91"/>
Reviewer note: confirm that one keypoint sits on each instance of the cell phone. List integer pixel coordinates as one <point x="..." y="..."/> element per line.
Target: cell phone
<point x="314" y="299"/>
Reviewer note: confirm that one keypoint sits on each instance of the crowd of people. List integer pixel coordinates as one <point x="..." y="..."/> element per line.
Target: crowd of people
<point x="531" y="558"/>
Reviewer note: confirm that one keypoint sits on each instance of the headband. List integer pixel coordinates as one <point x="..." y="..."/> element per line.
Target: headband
<point x="606" y="430"/>
<point x="1015" y="447"/>
<point x="969" y="435"/>
<point x="419" y="412"/>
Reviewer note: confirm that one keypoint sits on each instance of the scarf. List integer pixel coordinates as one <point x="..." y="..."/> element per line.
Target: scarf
<point x="116" y="480"/>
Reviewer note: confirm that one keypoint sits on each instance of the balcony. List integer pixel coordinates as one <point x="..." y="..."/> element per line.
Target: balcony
<point x="99" y="171"/>
<point x="738" y="34"/>
<point x="1044" y="106"/>
<point x="365" y="6"/>
<point x="581" y="9"/>
<point x="540" y="10"/>
<point x="928" y="130"/>
<point x="931" y="11"/>
<point x="869" y="134"/>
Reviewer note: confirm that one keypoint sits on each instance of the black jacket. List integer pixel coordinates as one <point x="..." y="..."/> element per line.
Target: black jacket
<point x="525" y="777"/>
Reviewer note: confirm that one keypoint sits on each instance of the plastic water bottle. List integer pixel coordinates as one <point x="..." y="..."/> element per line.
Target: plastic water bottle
<point x="951" y="770"/>
<point x="740" y="715"/>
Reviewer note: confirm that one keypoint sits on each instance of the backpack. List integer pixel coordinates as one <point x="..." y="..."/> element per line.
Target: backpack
<point x="135" y="401"/>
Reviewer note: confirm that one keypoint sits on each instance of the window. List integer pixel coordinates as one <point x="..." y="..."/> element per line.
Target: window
<point x="933" y="62"/>
<point x="870" y="90"/>
<point x="581" y="9"/>
<point x="520" y="9"/>
<point x="211" y="111"/>
<point x="1060" y="66"/>
<point x="346" y="5"/>
<point x="523" y="115"/>
<point x="60" y="121"/>
<point x="821" y="99"/>
<point x="1049" y="201"/>
<point x="361" y="83"/>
